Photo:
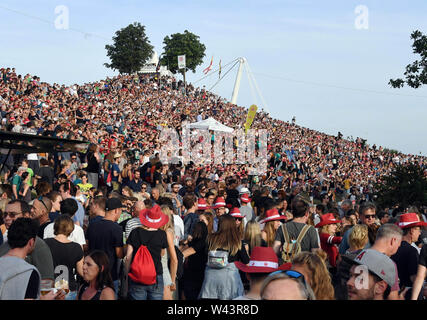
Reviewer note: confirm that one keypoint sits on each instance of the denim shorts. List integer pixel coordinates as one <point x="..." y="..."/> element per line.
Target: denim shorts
<point x="138" y="291"/>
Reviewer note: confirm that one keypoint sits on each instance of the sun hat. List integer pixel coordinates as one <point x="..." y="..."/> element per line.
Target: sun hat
<point x="117" y="155"/>
<point x="235" y="213"/>
<point x="244" y="190"/>
<point x="245" y="198"/>
<point x="272" y="215"/>
<point x="219" y="203"/>
<point x="263" y="260"/>
<point x="201" y="204"/>
<point x="410" y="220"/>
<point x="327" y="218"/>
<point x="153" y="218"/>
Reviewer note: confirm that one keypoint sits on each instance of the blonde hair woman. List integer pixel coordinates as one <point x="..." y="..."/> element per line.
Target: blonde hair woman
<point x="253" y="236"/>
<point x="358" y="238"/>
<point x="271" y="224"/>
<point x="169" y="270"/>
<point x="315" y="272"/>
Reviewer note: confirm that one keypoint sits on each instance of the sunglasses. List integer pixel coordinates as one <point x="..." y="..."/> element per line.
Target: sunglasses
<point x="370" y="216"/>
<point x="41" y="200"/>
<point x="10" y="214"/>
<point x="295" y="275"/>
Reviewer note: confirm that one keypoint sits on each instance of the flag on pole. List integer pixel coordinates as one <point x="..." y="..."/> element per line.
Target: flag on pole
<point x="206" y="71"/>
<point x="219" y="72"/>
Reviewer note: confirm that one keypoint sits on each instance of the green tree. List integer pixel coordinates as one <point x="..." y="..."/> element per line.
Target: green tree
<point x="405" y="186"/>
<point x="187" y="44"/>
<point x="131" y="49"/>
<point x="416" y="73"/>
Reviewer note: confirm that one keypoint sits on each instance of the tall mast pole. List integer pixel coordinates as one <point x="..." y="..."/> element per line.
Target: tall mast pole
<point x="237" y="83"/>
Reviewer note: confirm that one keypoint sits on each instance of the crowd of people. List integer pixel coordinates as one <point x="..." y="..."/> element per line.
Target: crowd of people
<point x="118" y="223"/>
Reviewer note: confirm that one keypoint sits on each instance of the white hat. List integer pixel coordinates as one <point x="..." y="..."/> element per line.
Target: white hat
<point x="245" y="190"/>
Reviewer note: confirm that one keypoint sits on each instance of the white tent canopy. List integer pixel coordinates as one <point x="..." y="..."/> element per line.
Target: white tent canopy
<point x="210" y="124"/>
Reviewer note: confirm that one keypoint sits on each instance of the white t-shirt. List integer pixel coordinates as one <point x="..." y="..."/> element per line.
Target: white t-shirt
<point x="179" y="229"/>
<point x="77" y="235"/>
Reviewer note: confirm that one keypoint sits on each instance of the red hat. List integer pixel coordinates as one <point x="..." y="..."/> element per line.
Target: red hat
<point x="327" y="218"/>
<point x="410" y="220"/>
<point x="201" y="204"/>
<point x="153" y="218"/>
<point x="263" y="260"/>
<point x="272" y="215"/>
<point x="219" y="203"/>
<point x="235" y="213"/>
<point x="245" y="198"/>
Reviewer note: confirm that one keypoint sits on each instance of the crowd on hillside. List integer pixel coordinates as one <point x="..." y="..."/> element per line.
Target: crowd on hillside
<point x="125" y="225"/>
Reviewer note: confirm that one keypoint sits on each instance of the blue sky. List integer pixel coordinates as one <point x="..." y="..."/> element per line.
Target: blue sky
<point x="307" y="57"/>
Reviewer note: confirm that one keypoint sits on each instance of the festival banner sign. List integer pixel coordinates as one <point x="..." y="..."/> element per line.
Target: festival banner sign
<point x="181" y="62"/>
<point x="251" y="116"/>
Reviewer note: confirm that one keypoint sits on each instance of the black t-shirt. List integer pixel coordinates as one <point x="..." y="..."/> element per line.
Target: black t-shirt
<point x="232" y="193"/>
<point x="423" y="256"/>
<point x="157" y="179"/>
<point x="48" y="133"/>
<point x="33" y="286"/>
<point x="80" y="115"/>
<point x="406" y="259"/>
<point x="92" y="163"/>
<point x="67" y="254"/>
<point x="155" y="241"/>
<point x="42" y="227"/>
<point x="46" y="174"/>
<point x="106" y="235"/>
<point x="196" y="263"/>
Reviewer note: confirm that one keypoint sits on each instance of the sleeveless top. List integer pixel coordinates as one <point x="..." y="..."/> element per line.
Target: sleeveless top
<point x="95" y="297"/>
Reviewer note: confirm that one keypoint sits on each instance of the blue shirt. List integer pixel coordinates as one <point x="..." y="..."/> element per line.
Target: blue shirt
<point x="80" y="214"/>
<point x="115" y="167"/>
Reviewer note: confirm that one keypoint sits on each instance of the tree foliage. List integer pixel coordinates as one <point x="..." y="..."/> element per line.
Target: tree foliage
<point x="187" y="44"/>
<point x="405" y="186"/>
<point x="416" y="73"/>
<point x="131" y="49"/>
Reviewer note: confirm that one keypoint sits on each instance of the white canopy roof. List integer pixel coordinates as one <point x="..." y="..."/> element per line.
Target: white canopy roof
<point x="210" y="124"/>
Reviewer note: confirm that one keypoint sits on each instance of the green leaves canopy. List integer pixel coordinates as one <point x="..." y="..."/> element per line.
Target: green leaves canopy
<point x="416" y="73"/>
<point x="187" y="44"/>
<point x="405" y="186"/>
<point x="131" y="49"/>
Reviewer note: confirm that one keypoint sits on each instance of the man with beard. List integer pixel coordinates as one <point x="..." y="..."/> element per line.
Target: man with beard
<point x="371" y="276"/>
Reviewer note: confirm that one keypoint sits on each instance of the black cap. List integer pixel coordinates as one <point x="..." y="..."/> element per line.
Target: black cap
<point x="113" y="203"/>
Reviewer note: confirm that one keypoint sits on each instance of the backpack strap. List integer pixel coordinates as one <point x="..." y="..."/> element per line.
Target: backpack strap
<point x="285" y="233"/>
<point x="303" y="233"/>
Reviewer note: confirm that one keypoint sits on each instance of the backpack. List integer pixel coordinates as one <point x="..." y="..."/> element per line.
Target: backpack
<point x="180" y="258"/>
<point x="142" y="269"/>
<point x="291" y="248"/>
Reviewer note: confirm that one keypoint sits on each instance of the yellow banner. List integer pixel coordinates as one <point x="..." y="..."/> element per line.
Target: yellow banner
<point x="251" y="116"/>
